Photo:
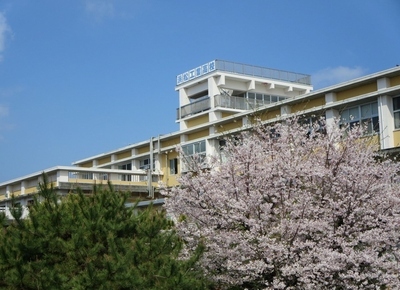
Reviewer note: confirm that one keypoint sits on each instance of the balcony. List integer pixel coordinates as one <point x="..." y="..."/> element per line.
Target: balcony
<point x="240" y="103"/>
<point x="64" y="178"/>
<point x="193" y="108"/>
<point x="228" y="102"/>
<point x="142" y="184"/>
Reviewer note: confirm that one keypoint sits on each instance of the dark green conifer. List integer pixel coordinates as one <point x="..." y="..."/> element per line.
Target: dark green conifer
<point x="93" y="242"/>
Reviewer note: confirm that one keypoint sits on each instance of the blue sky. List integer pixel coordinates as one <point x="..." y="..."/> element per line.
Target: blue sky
<point x="83" y="77"/>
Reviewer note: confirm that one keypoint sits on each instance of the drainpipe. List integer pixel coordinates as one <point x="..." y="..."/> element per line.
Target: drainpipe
<point x="150" y="172"/>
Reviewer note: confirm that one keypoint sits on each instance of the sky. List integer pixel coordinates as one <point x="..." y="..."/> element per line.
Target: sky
<point x="83" y="77"/>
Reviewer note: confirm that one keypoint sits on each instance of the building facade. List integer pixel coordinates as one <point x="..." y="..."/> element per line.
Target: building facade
<point x="216" y="99"/>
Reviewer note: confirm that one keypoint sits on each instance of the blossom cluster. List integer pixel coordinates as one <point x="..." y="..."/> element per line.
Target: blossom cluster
<point x="289" y="207"/>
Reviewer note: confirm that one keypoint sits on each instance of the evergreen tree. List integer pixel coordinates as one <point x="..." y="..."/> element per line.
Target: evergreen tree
<point x="93" y="242"/>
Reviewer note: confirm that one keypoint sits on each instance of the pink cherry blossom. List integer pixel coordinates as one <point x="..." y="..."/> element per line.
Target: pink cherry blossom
<point x="289" y="207"/>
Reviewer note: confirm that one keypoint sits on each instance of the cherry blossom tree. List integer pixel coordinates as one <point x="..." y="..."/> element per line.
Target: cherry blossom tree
<point x="294" y="207"/>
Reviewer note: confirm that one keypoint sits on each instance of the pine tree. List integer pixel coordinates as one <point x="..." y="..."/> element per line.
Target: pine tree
<point x="93" y="242"/>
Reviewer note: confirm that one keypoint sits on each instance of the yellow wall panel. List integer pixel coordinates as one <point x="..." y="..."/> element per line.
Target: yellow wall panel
<point x="80" y="180"/>
<point x="86" y="164"/>
<point x="104" y="160"/>
<point x="31" y="190"/>
<point x="16" y="192"/>
<point x="267" y="115"/>
<point x="368" y="88"/>
<point x="230" y="126"/>
<point x="396" y="138"/>
<point x="395" y="81"/>
<point x="227" y="114"/>
<point x="199" y="134"/>
<point x="170" y="142"/>
<point x="143" y="149"/>
<point x="169" y="179"/>
<point x="373" y="141"/>
<point x="173" y="180"/>
<point x="307" y="104"/>
<point x="164" y="160"/>
<point x="197" y="121"/>
<point x="124" y="155"/>
<point x="32" y="183"/>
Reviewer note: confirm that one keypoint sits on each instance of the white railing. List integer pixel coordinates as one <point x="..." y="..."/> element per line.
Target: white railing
<point x="193" y="108"/>
<point x="241" y="103"/>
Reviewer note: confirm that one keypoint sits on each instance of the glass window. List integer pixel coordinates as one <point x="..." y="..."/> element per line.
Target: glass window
<point x="127" y="166"/>
<point x="396" y="112"/>
<point x="354" y="113"/>
<point x="366" y="114"/>
<point x="194" y="152"/>
<point x="251" y="96"/>
<point x="173" y="166"/>
<point x="194" y="148"/>
<point x="366" y="110"/>
<point x="145" y="164"/>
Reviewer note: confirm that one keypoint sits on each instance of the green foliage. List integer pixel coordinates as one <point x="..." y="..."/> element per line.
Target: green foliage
<point x="93" y="242"/>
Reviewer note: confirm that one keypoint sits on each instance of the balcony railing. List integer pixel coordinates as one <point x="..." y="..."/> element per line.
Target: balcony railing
<point x="240" y="103"/>
<point x="244" y="69"/>
<point x="263" y="72"/>
<point x="229" y="102"/>
<point x="193" y="108"/>
<point x="63" y="176"/>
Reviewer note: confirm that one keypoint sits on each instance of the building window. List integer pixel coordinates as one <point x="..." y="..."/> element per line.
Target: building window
<point x="127" y="166"/>
<point x="173" y="166"/>
<point x="396" y="112"/>
<point x="193" y="153"/>
<point x="30" y="203"/>
<point x="315" y="124"/>
<point x="258" y="99"/>
<point x="145" y="164"/>
<point x="366" y="115"/>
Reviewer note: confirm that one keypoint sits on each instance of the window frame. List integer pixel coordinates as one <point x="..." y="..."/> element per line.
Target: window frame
<point x="396" y="112"/>
<point x="195" y="152"/>
<point x="371" y="119"/>
<point x="173" y="166"/>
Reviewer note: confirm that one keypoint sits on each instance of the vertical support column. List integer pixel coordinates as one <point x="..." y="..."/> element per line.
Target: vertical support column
<point x="285" y="110"/>
<point x="23" y="186"/>
<point x="246" y="122"/>
<point x="212" y="147"/>
<point x="62" y="176"/>
<point x="213" y="91"/>
<point x="331" y="115"/>
<point x="183" y="97"/>
<point x="8" y="191"/>
<point x="386" y="122"/>
<point x="113" y="159"/>
<point x="150" y="171"/>
<point x="211" y="130"/>
<point x="184" y="138"/>
<point x="151" y="154"/>
<point x="386" y="118"/>
<point x="383" y="83"/>
<point x="183" y="100"/>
